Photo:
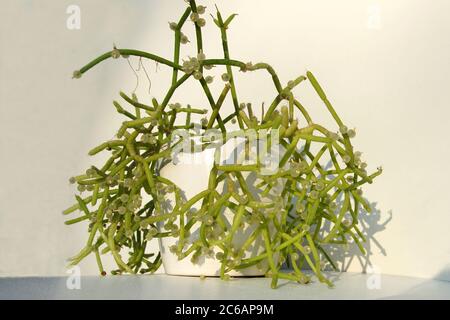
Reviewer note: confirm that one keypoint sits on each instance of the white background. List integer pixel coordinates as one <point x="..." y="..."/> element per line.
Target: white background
<point x="384" y="65"/>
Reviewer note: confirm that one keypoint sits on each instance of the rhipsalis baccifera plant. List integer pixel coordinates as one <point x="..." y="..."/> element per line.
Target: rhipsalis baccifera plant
<point x="315" y="195"/>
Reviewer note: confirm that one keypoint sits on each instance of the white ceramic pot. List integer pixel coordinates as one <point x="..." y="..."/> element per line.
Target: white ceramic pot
<point x="192" y="179"/>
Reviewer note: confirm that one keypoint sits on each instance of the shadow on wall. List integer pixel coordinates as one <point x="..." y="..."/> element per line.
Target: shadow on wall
<point x="371" y="224"/>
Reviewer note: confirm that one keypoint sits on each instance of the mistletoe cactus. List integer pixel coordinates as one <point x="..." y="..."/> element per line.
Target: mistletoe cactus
<point x="315" y="195"/>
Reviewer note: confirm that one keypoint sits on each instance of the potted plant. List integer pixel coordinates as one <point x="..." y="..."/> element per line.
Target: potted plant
<point x="244" y="217"/>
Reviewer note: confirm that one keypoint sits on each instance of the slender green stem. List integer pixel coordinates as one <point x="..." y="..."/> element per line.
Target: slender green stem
<point x="129" y="52"/>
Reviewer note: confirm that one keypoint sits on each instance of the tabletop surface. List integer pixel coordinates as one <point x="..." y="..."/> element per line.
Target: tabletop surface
<point x="347" y="286"/>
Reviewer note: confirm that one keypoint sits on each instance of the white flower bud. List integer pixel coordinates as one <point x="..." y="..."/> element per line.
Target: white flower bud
<point x="194" y="16"/>
<point x="184" y="39"/>
<point x="320" y="185"/>
<point x="294" y="172"/>
<point x="209" y="220"/>
<point x="209" y="79"/>
<point x="153" y="231"/>
<point x="128" y="182"/>
<point x="198" y="75"/>
<point x="333" y="136"/>
<point x="173" y="26"/>
<point x="314" y="194"/>
<point x="124" y="197"/>
<point x="109" y="180"/>
<point x="347" y="223"/>
<point x="343" y="129"/>
<point x="346" y="158"/>
<point x="201" y="22"/>
<point x="305" y="183"/>
<point x="115" y="54"/>
<point x="300" y="206"/>
<point x="351" y="133"/>
<point x="303" y="166"/>
<point x="201" y="56"/>
<point x="332" y="206"/>
<point x="187" y="67"/>
<point x="248" y="66"/>
<point x="226" y="77"/>
<point x="201" y="9"/>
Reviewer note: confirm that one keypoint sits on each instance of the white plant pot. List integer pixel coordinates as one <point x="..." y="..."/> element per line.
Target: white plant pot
<point x="192" y="179"/>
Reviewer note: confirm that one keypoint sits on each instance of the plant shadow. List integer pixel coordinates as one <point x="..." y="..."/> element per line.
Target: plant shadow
<point x="371" y="225"/>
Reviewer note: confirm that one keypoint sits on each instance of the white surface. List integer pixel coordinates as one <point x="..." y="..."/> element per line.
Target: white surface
<point x="386" y="70"/>
<point x="347" y="286"/>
